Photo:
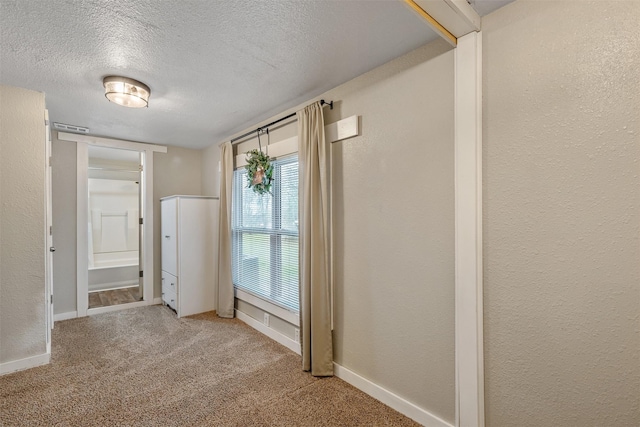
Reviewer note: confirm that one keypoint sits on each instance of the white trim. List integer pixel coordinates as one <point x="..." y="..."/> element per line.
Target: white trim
<point x="82" y="225"/>
<point x="48" y="236"/>
<point x="74" y="314"/>
<point x="188" y="196"/>
<point x="457" y="16"/>
<point x="65" y="316"/>
<point x="147" y="227"/>
<point x="468" y="232"/>
<point x="389" y="398"/>
<point x="109" y="142"/>
<point x="282" y="313"/>
<point x="26" y="363"/>
<point x="271" y="333"/>
<point x="342" y="129"/>
<point x="466" y="13"/>
<point x="118" y="307"/>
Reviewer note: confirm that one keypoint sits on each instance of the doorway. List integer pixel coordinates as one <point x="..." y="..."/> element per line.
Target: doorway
<point x="114" y="226"/>
<point x="146" y="153"/>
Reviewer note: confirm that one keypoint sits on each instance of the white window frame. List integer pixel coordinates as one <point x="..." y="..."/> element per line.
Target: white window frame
<point x="281" y="149"/>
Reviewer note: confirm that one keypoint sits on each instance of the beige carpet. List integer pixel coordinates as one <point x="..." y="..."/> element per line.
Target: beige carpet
<point x="145" y="367"/>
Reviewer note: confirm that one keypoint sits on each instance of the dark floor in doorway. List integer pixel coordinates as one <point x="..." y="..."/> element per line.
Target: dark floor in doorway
<point x="114" y="297"/>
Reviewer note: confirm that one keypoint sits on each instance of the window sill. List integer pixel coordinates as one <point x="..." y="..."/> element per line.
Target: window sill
<point x="282" y="313"/>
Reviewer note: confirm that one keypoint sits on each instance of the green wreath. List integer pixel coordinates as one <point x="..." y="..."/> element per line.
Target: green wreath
<point x="259" y="172"/>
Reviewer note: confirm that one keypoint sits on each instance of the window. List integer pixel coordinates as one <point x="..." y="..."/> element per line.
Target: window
<point x="265" y="236"/>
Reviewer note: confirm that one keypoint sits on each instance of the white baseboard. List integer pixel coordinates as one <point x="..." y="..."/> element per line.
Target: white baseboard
<point x="73" y="314"/>
<point x="389" y="398"/>
<point x="65" y="316"/>
<point x="26" y="363"/>
<point x="385" y="396"/>
<point x="118" y="307"/>
<point x="271" y="333"/>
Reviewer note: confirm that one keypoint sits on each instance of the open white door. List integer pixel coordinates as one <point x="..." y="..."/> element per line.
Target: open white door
<point x="141" y="227"/>
<point x="49" y="233"/>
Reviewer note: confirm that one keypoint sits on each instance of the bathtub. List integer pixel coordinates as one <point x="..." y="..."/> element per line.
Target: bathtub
<point x="113" y="270"/>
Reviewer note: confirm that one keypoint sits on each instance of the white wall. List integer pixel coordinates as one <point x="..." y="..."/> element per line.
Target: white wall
<point x="561" y="213"/>
<point x="394" y="228"/>
<point x="22" y="224"/>
<point x="63" y="177"/>
<point x="179" y="171"/>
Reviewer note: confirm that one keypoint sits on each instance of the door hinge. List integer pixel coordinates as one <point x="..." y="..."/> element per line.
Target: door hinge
<point x="49" y="160"/>
<point x="140" y="167"/>
<point x="51" y="230"/>
<point x="141" y="273"/>
<point x="140" y="221"/>
<point x="51" y="298"/>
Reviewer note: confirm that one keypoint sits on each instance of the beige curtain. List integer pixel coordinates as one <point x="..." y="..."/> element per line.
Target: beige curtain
<point x="225" y="282"/>
<point x="315" y="292"/>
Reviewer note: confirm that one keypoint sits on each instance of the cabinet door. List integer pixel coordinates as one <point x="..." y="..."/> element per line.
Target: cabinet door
<point x="197" y="249"/>
<point x="169" y="235"/>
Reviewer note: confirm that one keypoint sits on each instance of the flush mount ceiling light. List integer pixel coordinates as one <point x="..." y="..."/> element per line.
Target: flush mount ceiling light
<point x="126" y="92"/>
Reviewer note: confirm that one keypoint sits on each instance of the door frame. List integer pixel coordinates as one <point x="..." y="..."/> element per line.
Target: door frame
<point x="82" y="249"/>
<point x="457" y="22"/>
<point x="469" y="314"/>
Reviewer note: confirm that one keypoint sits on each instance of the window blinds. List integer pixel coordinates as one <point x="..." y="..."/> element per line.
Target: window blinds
<point x="265" y="236"/>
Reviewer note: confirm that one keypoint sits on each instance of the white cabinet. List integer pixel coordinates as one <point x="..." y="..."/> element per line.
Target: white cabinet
<point x="189" y="253"/>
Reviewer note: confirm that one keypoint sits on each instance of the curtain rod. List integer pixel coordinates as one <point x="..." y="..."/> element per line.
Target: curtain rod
<point x="322" y="102"/>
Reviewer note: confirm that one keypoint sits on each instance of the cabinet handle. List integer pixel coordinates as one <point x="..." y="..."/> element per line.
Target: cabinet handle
<point x="167" y="237"/>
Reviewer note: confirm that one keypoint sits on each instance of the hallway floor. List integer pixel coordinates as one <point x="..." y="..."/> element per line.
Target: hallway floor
<point x="114" y="297"/>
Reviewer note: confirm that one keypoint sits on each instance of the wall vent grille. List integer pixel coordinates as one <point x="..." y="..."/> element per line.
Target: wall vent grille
<point x="70" y="128"/>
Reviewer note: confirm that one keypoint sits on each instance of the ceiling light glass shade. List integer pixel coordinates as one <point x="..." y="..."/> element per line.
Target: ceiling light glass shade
<point x="126" y="92"/>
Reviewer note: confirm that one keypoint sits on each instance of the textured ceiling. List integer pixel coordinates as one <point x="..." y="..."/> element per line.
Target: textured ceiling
<point x="214" y="67"/>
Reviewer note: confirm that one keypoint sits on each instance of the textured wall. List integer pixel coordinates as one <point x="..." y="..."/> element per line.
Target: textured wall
<point x="210" y="172"/>
<point x="393" y="227"/>
<point x="179" y="171"/>
<point x="561" y="204"/>
<point x="394" y="230"/>
<point x="63" y="171"/>
<point x="22" y="223"/>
